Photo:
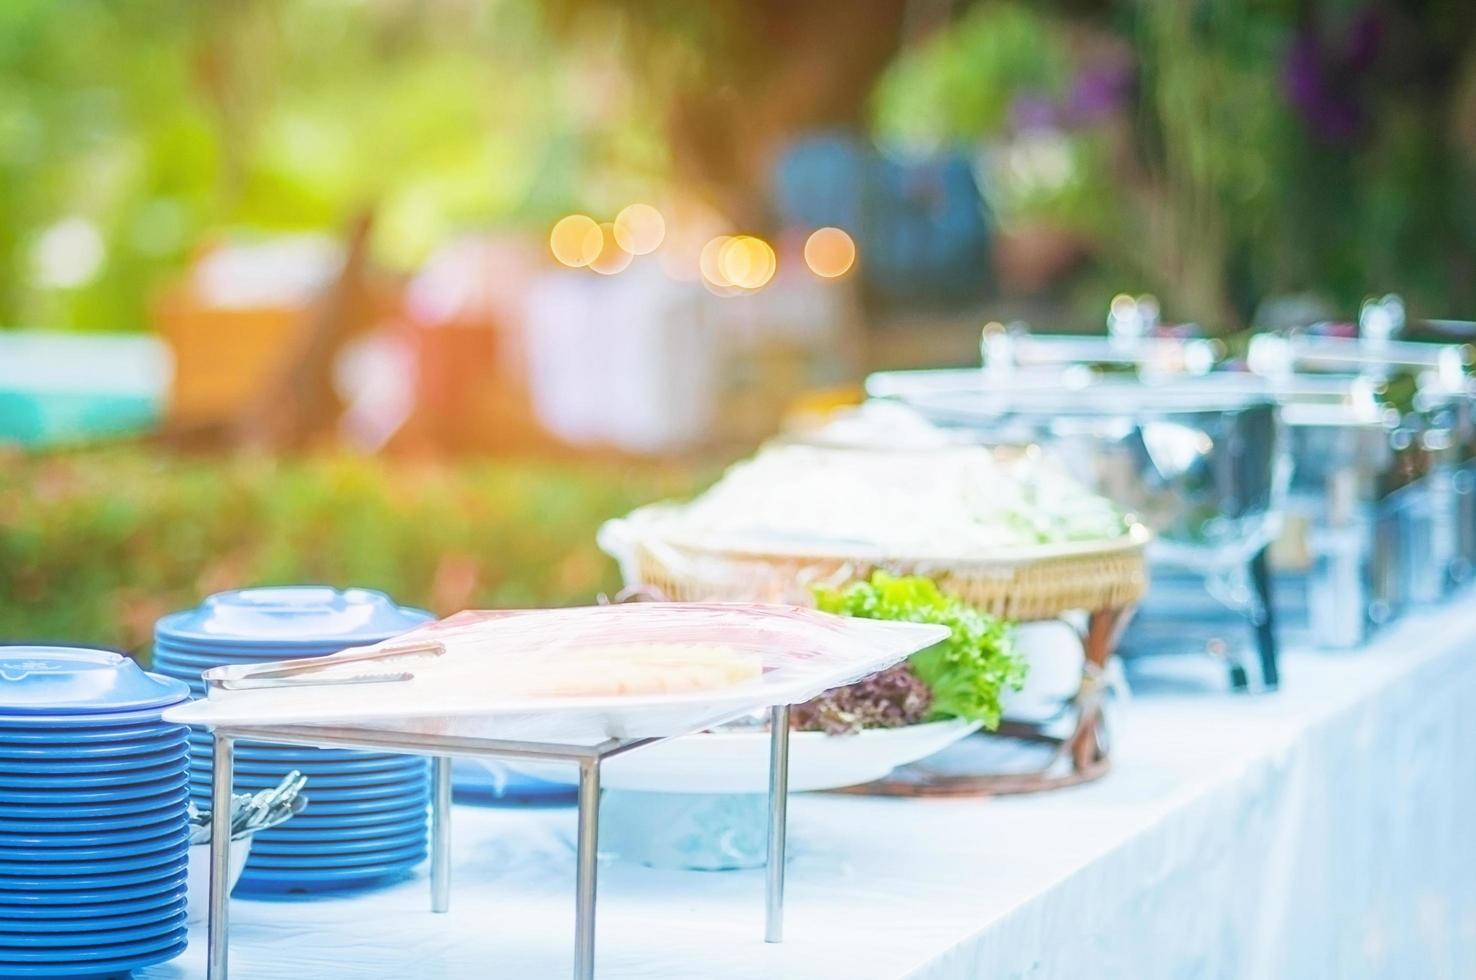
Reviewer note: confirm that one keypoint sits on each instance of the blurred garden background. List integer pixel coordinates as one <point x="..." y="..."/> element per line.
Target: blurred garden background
<point x="413" y="295"/>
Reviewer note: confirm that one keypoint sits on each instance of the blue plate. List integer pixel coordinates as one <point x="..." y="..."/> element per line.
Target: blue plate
<point x="289" y="617"/>
<point x="10" y="956"/>
<point x="98" y="924"/>
<point x="257" y="754"/>
<point x="248" y="760"/>
<point x="149" y="811"/>
<point x="160" y="868"/>
<point x="101" y="719"/>
<point x="94" y="910"/>
<point x="178" y="658"/>
<point x="107" y="734"/>
<point x="301" y="879"/>
<point x="59" y="765"/>
<point x="346" y="828"/>
<point x="397" y="807"/>
<point x="177" y="834"/>
<point x="124" y="963"/>
<point x="472" y="783"/>
<point x="111" y="835"/>
<point x="298" y="758"/>
<point x="122" y="775"/>
<point x="52" y="681"/>
<point x="412" y="837"/>
<point x="91" y="896"/>
<point x="399" y="789"/>
<point x="273" y="771"/>
<point x="412" y="854"/>
<point x="63" y="746"/>
<point x="65" y="865"/>
<point x="103" y="934"/>
<point x="111" y="794"/>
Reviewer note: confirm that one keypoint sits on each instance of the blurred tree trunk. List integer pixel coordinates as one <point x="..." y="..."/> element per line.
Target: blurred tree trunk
<point x="740" y="78"/>
<point x="811" y="65"/>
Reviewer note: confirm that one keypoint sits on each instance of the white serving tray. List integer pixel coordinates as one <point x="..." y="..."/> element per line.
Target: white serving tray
<point x="738" y="762"/>
<point x="803" y="652"/>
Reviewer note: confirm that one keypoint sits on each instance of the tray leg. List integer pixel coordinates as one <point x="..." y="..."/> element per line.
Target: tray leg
<point x="587" y="868"/>
<point x="778" y="823"/>
<point x="1265" y="620"/>
<point x="441" y="834"/>
<point x="218" y="921"/>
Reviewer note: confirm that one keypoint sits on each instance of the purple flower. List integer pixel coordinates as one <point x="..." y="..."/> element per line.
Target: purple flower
<point x="1097" y="93"/>
<point x="1033" y="110"/>
<point x="1328" y="80"/>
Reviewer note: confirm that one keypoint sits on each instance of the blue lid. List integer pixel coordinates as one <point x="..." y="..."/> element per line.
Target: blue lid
<point x="74" y="681"/>
<point x="295" y="615"/>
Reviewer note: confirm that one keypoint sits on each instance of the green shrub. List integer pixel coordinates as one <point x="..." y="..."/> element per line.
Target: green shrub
<point x="95" y="546"/>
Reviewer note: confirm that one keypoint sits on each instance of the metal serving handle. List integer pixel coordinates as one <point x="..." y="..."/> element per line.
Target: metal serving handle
<point x="310" y="672"/>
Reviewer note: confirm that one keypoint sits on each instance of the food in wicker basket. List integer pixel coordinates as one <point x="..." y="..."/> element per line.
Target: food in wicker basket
<point x="961" y="499"/>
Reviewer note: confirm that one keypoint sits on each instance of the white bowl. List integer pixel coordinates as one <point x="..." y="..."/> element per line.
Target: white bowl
<point x="199" y="875"/>
<point x="738" y="762"/>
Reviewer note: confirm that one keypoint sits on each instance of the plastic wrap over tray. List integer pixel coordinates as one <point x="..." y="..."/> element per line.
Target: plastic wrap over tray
<point x="537" y="675"/>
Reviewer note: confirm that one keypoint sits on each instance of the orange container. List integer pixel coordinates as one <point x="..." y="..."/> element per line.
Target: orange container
<point x="222" y="357"/>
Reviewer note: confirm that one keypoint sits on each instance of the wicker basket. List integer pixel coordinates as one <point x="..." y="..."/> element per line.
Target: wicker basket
<point x="1028" y="584"/>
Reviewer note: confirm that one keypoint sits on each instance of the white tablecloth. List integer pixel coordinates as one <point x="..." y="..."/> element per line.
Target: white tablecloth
<point x="1324" y="831"/>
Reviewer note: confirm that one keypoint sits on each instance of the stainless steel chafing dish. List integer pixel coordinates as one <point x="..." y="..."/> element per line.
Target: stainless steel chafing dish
<point x="1424" y="539"/>
<point x="1204" y="469"/>
<point x="1382" y="500"/>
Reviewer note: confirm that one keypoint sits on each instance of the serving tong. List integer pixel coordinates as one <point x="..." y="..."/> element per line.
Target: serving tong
<point x="380" y="665"/>
<point x="252" y="813"/>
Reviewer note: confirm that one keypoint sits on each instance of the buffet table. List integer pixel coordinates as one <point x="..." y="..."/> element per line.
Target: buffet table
<point x="1321" y="831"/>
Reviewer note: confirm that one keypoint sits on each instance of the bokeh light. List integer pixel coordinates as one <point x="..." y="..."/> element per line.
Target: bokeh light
<point x="830" y="252"/>
<point x="576" y="240"/>
<point x="710" y="264"/>
<point x="733" y="264"/>
<point x="640" y="229"/>
<point x="747" y="262"/>
<point x="609" y="258"/>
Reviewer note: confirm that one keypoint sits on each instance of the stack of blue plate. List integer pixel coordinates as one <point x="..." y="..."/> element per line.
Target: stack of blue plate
<point x="473" y="784"/>
<point x="366" y="816"/>
<point x="94" y="834"/>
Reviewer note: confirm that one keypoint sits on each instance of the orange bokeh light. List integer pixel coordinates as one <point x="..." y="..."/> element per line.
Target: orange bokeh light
<point x="710" y="264"/>
<point x="640" y="229"/>
<point x="830" y="252"/>
<point x="609" y="258"/>
<point x="737" y="263"/>
<point x="575" y="240"/>
<point x="747" y="262"/>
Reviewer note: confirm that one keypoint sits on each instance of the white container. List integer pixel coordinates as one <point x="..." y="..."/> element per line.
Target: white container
<point x="199" y="875"/>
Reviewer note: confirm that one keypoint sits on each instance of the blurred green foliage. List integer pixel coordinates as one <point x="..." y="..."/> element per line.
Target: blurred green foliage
<point x="1214" y="185"/>
<point x="95" y="546"/>
<point x="162" y="122"/>
<point x="155" y="124"/>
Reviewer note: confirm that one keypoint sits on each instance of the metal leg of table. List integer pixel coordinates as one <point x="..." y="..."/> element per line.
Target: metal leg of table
<point x="587" y="862"/>
<point x="778" y="823"/>
<point x="218" y="923"/>
<point x="1265" y="623"/>
<point x="441" y="834"/>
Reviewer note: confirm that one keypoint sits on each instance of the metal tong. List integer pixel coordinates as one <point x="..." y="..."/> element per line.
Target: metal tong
<point x="254" y="812"/>
<point x="313" y="671"/>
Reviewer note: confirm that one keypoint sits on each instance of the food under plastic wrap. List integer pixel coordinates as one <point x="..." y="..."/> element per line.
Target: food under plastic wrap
<point x="940" y="501"/>
<point x="568" y="675"/>
<point x="1006" y="531"/>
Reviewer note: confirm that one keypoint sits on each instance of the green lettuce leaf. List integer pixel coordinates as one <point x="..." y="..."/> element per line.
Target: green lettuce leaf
<point x="969" y="672"/>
